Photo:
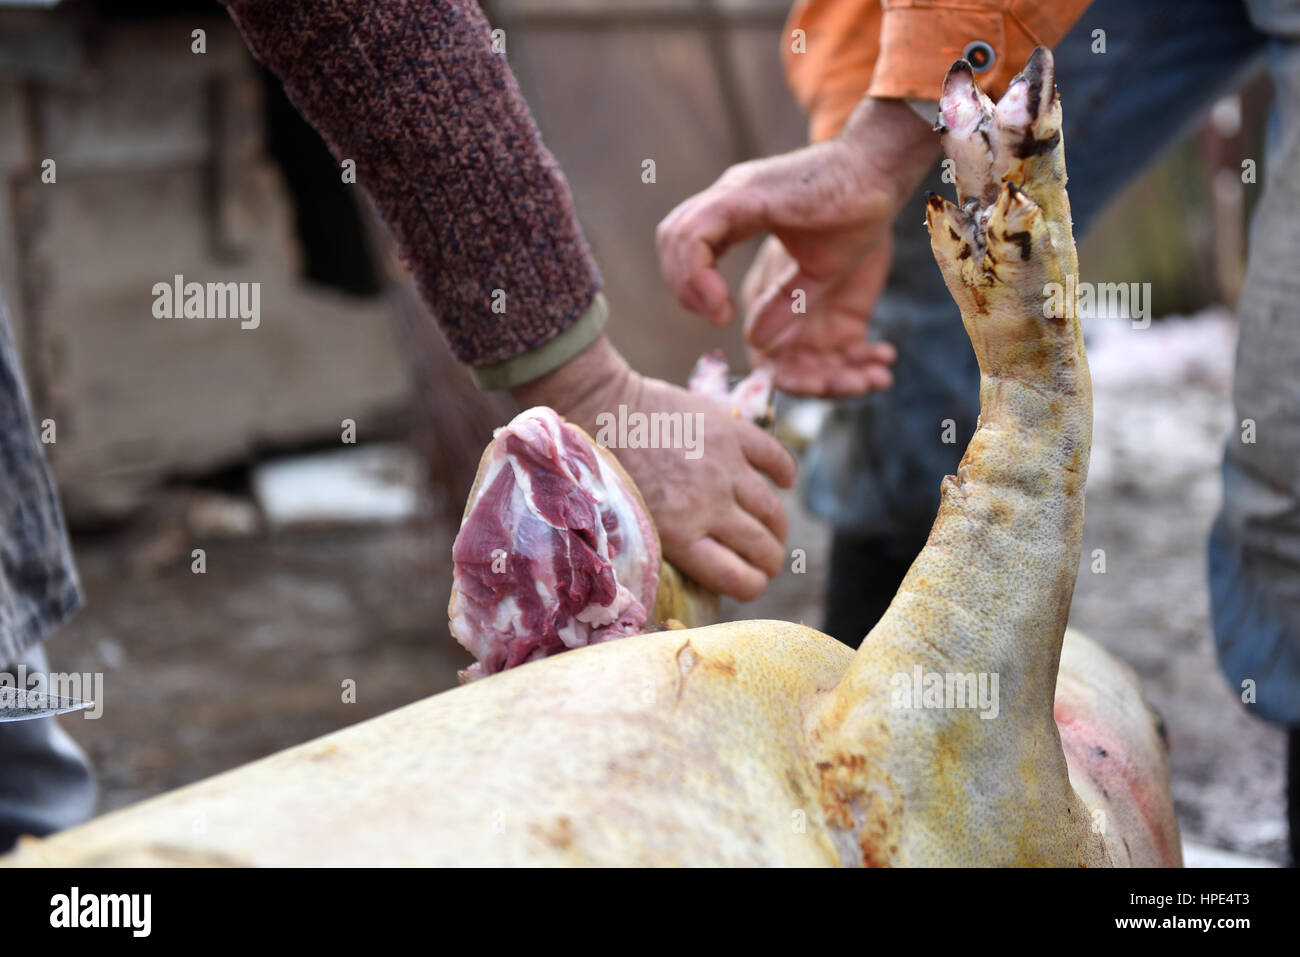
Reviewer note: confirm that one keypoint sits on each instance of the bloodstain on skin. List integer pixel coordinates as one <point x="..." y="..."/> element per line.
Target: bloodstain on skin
<point x="1078" y="739"/>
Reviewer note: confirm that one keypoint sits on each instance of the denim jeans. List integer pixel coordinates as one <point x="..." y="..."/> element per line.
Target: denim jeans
<point x="874" y="473"/>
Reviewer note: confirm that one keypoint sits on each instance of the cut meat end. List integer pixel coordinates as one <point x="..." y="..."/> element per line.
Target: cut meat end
<point x="556" y="549"/>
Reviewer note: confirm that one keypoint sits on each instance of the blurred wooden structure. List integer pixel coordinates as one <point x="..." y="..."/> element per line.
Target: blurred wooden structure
<point x="162" y="168"/>
<point x="170" y="162"/>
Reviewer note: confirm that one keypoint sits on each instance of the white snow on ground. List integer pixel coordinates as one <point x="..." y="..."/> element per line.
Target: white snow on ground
<point x="1198" y="855"/>
<point x="354" y="484"/>
<point x="1160" y="414"/>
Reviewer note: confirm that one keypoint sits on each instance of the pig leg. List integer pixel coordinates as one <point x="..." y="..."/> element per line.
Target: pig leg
<point x="938" y="746"/>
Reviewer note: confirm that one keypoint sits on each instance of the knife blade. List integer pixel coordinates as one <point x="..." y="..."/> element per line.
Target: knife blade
<point x="19" y="704"/>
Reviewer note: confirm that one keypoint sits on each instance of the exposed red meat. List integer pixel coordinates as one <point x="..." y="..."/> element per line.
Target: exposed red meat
<point x="556" y="549"/>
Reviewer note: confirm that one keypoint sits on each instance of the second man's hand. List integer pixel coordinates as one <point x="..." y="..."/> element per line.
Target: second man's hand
<point x="821" y="350"/>
<point x="830" y="208"/>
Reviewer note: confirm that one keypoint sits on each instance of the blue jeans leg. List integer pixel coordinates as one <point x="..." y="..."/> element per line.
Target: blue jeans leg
<point x="1254" y="553"/>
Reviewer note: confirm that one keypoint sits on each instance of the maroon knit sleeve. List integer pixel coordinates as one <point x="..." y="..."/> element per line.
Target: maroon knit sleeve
<point x="447" y="149"/>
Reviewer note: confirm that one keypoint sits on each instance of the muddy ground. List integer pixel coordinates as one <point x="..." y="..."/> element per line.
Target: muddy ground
<point x="208" y="671"/>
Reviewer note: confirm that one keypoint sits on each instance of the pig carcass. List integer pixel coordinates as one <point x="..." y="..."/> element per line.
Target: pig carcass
<point x="969" y="729"/>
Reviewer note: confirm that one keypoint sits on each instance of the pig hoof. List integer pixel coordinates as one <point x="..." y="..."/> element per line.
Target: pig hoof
<point x="1007" y="242"/>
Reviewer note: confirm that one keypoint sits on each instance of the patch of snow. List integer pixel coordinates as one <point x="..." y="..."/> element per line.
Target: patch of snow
<point x="365" y="483"/>
<point x="1160" y="408"/>
<point x="1202" y="855"/>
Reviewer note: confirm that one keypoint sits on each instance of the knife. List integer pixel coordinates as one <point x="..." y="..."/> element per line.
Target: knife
<point x="18" y="704"/>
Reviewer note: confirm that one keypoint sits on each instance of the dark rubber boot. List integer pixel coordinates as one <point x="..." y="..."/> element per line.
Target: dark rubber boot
<point x="865" y="573"/>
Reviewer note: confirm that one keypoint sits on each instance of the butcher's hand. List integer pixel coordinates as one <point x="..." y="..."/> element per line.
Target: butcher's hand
<point x="830" y="208"/>
<point x="719" y="519"/>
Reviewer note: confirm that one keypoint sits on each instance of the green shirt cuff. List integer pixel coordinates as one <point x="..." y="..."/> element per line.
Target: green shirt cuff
<point x="550" y="355"/>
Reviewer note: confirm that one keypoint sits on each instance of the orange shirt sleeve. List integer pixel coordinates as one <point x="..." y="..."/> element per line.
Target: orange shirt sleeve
<point x="902" y="48"/>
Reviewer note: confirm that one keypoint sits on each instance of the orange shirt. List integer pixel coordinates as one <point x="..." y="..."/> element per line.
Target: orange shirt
<point x="903" y="48"/>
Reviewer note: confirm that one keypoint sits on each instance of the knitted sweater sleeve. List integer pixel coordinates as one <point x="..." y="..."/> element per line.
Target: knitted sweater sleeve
<point x="413" y="92"/>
